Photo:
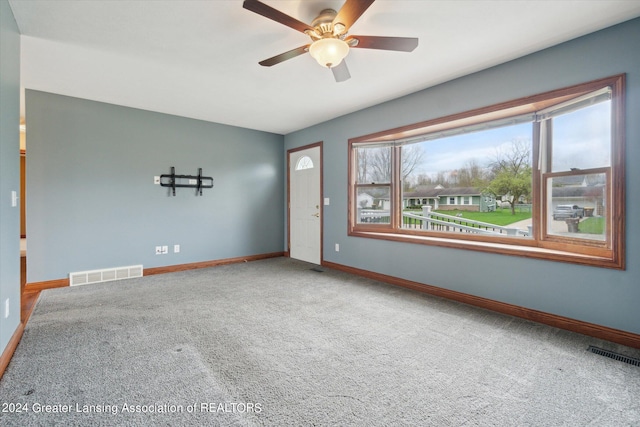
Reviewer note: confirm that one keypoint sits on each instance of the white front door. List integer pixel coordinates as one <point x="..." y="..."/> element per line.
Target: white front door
<point x="304" y="205"/>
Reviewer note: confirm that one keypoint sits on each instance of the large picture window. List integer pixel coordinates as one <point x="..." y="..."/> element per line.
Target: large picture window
<point x="541" y="177"/>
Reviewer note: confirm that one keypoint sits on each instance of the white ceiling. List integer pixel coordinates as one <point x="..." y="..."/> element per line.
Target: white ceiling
<point x="199" y="59"/>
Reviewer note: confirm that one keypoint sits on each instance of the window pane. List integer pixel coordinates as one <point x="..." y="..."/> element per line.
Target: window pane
<point x="373" y="204"/>
<point x="304" y="162"/>
<point x="582" y="138"/>
<point x="466" y="173"/>
<point x="576" y="206"/>
<point x="374" y="164"/>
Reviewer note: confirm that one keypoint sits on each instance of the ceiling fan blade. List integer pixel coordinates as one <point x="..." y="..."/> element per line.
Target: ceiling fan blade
<point x="404" y="44"/>
<point x="275" y="15"/>
<point x="341" y="72"/>
<point x="350" y="11"/>
<point x="284" y="56"/>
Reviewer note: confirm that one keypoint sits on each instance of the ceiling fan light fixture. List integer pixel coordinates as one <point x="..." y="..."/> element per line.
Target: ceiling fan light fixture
<point x="329" y="52"/>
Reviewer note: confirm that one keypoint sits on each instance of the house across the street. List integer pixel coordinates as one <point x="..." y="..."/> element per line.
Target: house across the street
<point x="455" y="198"/>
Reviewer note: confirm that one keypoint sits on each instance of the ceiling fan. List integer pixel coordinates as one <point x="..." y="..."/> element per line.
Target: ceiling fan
<point x="328" y="32"/>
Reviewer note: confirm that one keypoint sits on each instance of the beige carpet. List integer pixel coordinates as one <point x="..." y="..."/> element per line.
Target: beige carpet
<point x="274" y="343"/>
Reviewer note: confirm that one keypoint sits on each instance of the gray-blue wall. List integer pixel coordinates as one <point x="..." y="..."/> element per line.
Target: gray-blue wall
<point x="597" y="295"/>
<point x="92" y="203"/>
<point x="9" y="173"/>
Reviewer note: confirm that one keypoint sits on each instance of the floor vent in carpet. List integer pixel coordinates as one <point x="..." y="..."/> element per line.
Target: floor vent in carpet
<point x="615" y="356"/>
<point x="317" y="270"/>
<point x="104" y="275"/>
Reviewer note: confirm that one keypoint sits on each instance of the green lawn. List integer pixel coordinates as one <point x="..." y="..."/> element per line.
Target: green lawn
<point x="503" y="217"/>
<point x="499" y="217"/>
<point x="593" y="225"/>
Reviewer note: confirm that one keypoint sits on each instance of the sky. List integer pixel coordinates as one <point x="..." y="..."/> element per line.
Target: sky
<point x="581" y="140"/>
<point x="454" y="152"/>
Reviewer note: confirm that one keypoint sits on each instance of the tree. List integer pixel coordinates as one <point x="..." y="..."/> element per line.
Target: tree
<point x="511" y="172"/>
<point x="471" y="175"/>
<point x="412" y="156"/>
<point x="374" y="164"/>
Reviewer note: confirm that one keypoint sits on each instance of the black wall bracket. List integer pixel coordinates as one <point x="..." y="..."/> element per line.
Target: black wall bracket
<point x="186" y="181"/>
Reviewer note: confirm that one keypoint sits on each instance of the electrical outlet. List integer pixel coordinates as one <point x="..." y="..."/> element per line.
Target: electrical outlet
<point x="337" y="247"/>
<point x="165" y="250"/>
<point x="158" y="250"/>
<point x="176" y="249"/>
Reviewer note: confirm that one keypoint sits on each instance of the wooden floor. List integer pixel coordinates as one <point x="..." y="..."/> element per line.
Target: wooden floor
<point x="27" y="298"/>
<point x="28" y="302"/>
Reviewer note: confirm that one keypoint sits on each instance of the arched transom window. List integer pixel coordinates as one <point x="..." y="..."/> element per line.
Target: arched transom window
<point x="304" y="162"/>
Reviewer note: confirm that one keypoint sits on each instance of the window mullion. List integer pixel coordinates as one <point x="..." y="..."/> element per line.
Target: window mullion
<point x="539" y="150"/>
<point x="396" y="188"/>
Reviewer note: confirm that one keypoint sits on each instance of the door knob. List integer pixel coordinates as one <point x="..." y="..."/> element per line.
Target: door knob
<point x="317" y="215"/>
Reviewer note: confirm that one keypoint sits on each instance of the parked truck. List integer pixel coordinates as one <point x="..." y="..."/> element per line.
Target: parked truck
<point x="567" y="211"/>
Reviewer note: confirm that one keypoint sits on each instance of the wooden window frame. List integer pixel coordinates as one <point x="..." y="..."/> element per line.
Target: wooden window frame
<point x="547" y="237"/>
<point x="610" y="254"/>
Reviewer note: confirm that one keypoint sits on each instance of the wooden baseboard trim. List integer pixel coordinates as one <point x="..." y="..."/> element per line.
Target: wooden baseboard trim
<point x="597" y="331"/>
<point x="61" y="283"/>
<point x="207" y="264"/>
<point x="7" y="354"/>
<point x="49" y="284"/>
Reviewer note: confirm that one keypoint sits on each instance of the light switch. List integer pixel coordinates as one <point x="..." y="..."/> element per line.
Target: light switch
<point x="326" y="201"/>
<point x="14" y="199"/>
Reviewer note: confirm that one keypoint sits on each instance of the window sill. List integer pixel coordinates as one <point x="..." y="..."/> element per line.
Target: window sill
<point x="522" y="250"/>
